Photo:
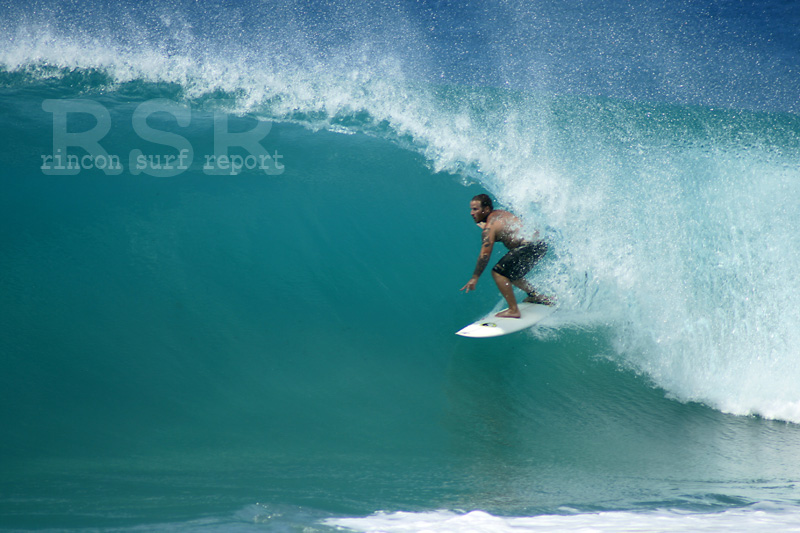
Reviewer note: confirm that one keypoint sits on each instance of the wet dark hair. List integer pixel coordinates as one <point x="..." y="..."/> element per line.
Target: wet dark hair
<point x="484" y="200"/>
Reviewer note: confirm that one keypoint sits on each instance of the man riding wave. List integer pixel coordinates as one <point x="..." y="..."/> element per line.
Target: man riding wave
<point x="510" y="271"/>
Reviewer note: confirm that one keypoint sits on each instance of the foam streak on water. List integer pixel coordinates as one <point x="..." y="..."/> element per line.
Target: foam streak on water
<point x="761" y="520"/>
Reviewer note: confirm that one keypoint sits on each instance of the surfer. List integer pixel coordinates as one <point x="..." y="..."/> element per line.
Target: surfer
<point x="523" y="254"/>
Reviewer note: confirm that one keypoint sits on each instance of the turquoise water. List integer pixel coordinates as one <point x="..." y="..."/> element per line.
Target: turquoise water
<point x="273" y="348"/>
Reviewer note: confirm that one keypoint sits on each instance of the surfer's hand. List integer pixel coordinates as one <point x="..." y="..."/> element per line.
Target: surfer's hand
<point x="470" y="286"/>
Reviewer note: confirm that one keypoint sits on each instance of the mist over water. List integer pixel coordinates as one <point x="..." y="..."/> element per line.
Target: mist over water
<point x="711" y="53"/>
<point x="310" y="314"/>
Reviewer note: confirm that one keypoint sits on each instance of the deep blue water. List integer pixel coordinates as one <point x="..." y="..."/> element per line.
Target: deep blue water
<point x="194" y="346"/>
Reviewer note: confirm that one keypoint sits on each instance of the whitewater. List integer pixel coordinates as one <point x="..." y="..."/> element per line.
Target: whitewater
<point x="246" y="320"/>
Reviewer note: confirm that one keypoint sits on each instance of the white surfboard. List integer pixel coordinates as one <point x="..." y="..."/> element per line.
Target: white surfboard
<point x="495" y="326"/>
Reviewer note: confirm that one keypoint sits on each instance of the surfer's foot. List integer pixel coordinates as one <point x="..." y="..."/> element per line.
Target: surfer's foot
<point x="507" y="313"/>
<point x="539" y="299"/>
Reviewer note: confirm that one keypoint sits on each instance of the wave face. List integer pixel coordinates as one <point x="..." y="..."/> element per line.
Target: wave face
<point x="284" y="333"/>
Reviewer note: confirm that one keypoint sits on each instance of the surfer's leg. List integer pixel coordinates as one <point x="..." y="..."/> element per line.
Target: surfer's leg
<point x="524" y="284"/>
<point x="536" y="298"/>
<point x="533" y="296"/>
<point x="507" y="290"/>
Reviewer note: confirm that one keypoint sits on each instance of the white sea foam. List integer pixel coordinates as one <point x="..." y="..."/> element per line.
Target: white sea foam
<point x="734" y="520"/>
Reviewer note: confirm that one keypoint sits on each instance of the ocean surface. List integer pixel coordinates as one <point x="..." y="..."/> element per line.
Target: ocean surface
<point x="232" y="237"/>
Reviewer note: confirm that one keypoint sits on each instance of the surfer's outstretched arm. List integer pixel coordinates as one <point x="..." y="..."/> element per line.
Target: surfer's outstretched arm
<point x="487" y="243"/>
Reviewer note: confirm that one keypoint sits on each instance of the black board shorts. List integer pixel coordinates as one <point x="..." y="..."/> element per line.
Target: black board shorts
<point x="519" y="261"/>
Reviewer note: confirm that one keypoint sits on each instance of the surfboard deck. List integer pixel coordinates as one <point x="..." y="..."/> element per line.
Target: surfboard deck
<point x="495" y="326"/>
